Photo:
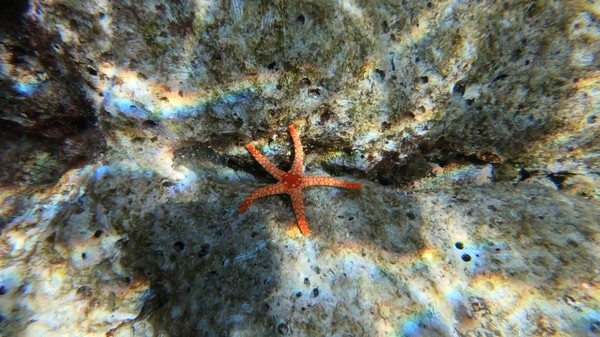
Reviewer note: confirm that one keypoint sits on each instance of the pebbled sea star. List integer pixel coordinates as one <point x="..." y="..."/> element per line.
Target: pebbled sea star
<point x="291" y="182"/>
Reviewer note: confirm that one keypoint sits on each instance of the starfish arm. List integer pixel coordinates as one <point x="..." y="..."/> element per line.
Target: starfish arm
<point x="265" y="163"/>
<point x="326" y="181"/>
<point x="298" y="152"/>
<point x="278" y="188"/>
<point x="298" y="206"/>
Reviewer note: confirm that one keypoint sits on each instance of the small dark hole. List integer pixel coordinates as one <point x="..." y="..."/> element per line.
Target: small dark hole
<point x="298" y="294"/>
<point x="149" y="124"/>
<point x="305" y="82"/>
<point x="51" y="237"/>
<point x="203" y="250"/>
<point x="500" y="77"/>
<point x="178" y="246"/>
<point x="558" y="179"/>
<point x="98" y="233"/>
<point x="282" y="328"/>
<point x="83" y="256"/>
<point x="424" y="79"/>
<point x="385" y="27"/>
<point x="459" y="245"/>
<point x="272" y="65"/>
<point x="315" y="292"/>
<point x="3" y="290"/>
<point x="92" y="71"/>
<point x="466" y="257"/>
<point x="524" y="174"/>
<point x="122" y="243"/>
<point x="85" y="291"/>
<point x="458" y="89"/>
<point x="592" y="119"/>
<point x="300" y="19"/>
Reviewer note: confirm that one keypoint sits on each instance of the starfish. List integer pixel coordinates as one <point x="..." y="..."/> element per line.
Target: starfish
<point x="291" y="182"/>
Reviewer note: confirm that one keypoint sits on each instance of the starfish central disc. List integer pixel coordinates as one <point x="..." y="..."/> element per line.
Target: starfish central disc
<point x="292" y="180"/>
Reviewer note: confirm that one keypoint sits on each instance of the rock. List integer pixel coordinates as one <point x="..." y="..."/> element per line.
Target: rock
<point x="472" y="125"/>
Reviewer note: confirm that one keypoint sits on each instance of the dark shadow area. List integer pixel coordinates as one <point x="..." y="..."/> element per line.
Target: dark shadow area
<point x="47" y="123"/>
<point x="210" y="274"/>
<point x="11" y="15"/>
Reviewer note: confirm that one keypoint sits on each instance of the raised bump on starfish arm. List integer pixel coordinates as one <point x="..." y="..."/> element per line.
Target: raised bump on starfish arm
<point x="265" y="163"/>
<point x="298" y="206"/>
<point x="278" y="188"/>
<point x="298" y="151"/>
<point x="326" y="181"/>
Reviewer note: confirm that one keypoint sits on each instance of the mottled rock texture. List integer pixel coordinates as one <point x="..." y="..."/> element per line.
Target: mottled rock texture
<point x="472" y="124"/>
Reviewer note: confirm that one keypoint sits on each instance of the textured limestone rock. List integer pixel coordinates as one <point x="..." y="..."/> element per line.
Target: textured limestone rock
<point x="473" y="125"/>
<point x="140" y="257"/>
<point x="386" y="84"/>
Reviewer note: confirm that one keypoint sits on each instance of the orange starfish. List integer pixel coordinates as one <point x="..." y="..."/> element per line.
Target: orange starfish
<point x="291" y="182"/>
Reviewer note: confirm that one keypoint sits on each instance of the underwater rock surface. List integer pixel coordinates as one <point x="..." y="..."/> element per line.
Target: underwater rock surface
<point x="473" y="127"/>
<point x="118" y="252"/>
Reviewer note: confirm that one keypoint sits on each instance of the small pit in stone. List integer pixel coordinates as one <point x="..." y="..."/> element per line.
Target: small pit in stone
<point x="178" y="246"/>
